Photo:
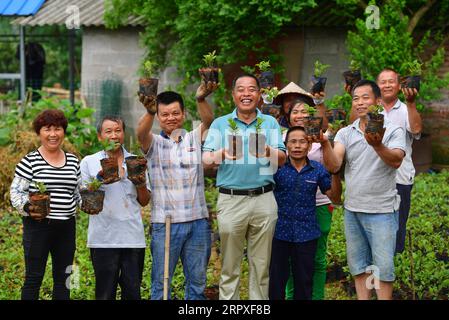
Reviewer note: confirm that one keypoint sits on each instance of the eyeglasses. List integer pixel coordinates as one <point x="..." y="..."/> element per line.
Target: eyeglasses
<point x="296" y="141"/>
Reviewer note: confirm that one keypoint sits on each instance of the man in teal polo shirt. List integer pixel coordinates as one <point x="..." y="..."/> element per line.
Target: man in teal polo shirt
<point x="246" y="206"/>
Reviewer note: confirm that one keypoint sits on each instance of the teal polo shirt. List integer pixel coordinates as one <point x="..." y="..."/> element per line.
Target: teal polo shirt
<point x="248" y="172"/>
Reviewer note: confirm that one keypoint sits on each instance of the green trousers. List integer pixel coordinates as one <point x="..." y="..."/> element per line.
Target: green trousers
<point x="324" y="217"/>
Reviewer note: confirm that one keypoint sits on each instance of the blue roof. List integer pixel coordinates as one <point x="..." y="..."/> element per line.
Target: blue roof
<point x="20" y="7"/>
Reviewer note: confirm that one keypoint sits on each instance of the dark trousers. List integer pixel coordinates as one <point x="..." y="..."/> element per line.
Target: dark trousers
<point x="405" y="192"/>
<point x="56" y="237"/>
<point x="301" y="256"/>
<point x="113" y="266"/>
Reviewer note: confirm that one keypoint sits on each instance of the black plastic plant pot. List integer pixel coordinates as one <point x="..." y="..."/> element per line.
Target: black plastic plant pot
<point x="110" y="170"/>
<point x="209" y="74"/>
<point x="318" y="84"/>
<point x="313" y="125"/>
<point x="411" y="82"/>
<point x="136" y="167"/>
<point x="352" y="77"/>
<point x="148" y="86"/>
<point x="92" y="200"/>
<point x="266" y="79"/>
<point x="375" y="123"/>
<point x="235" y="144"/>
<point x="257" y="144"/>
<point x="335" y="114"/>
<point x="40" y="202"/>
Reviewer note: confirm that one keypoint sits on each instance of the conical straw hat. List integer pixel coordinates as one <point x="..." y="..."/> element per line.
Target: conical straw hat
<point x="294" y="88"/>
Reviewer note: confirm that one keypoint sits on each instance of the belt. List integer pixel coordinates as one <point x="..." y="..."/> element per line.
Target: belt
<point x="247" y="192"/>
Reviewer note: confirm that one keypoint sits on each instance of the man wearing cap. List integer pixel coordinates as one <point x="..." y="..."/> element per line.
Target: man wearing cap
<point x="293" y="92"/>
<point x="246" y="207"/>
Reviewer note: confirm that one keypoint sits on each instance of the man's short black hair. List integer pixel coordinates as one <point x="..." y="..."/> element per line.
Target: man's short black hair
<point x="114" y="118"/>
<point x="374" y="87"/>
<point x="243" y="75"/>
<point x="168" y="97"/>
<point x="291" y="129"/>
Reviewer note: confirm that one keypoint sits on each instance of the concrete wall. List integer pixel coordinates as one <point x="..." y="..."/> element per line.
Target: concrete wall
<point x="117" y="53"/>
<point x="328" y="46"/>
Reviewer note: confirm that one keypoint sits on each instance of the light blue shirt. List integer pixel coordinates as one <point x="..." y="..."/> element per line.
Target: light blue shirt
<point x="248" y="172"/>
<point x="119" y="224"/>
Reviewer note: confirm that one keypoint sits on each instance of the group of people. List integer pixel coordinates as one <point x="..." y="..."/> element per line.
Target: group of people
<point x="277" y="202"/>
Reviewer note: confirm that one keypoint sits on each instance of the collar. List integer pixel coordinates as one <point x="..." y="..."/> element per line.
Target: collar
<point x="235" y="117"/>
<point x="164" y="135"/>
<point x="309" y="165"/>
<point x="126" y="154"/>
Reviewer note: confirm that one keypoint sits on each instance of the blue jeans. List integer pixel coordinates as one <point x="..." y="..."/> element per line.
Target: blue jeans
<point x="190" y="241"/>
<point x="371" y="243"/>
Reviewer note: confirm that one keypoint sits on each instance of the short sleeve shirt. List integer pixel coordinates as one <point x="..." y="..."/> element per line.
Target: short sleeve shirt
<point x="295" y="194"/>
<point x="370" y="182"/>
<point x="248" y="172"/>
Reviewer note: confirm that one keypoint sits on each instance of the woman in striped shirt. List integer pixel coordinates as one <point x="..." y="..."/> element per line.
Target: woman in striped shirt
<point x="53" y="233"/>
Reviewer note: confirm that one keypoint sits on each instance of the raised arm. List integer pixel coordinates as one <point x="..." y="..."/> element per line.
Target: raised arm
<point x="145" y="124"/>
<point x="414" y="118"/>
<point x="204" y="109"/>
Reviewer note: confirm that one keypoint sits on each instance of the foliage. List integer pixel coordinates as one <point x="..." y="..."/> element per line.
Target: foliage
<point x="94" y="184"/>
<point x="373" y="50"/>
<point x="428" y="225"/>
<point x="271" y="93"/>
<point x="414" y="68"/>
<point x="79" y="130"/>
<point x="337" y="124"/>
<point x="263" y="65"/>
<point x="319" y="68"/>
<point x="375" y="109"/>
<point x="248" y="69"/>
<point x="354" y="65"/>
<point x="258" y="125"/>
<point x="40" y="186"/>
<point x="310" y="110"/>
<point x="148" y="68"/>
<point x="210" y="58"/>
<point x="108" y="145"/>
<point x="233" y="126"/>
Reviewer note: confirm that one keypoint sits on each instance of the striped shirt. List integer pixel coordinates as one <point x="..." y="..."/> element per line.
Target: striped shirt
<point x="176" y="178"/>
<point x="61" y="182"/>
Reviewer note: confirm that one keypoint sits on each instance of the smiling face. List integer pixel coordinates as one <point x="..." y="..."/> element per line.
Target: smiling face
<point x="297" y="115"/>
<point x="171" y="116"/>
<point x="112" y="131"/>
<point x="246" y="94"/>
<point x="51" y="137"/>
<point x="389" y="85"/>
<point x="297" y="145"/>
<point x="362" y="98"/>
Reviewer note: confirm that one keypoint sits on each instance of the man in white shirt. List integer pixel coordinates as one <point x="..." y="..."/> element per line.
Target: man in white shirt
<point x="406" y="116"/>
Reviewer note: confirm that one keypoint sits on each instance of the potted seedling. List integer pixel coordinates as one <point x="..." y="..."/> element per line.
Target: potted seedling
<point x="353" y="75"/>
<point x="235" y="142"/>
<point x="266" y="76"/>
<point x="319" y="82"/>
<point x="136" y="165"/>
<point x="210" y="72"/>
<point x="375" y="119"/>
<point x="92" y="197"/>
<point x="109" y="165"/>
<point x="334" y="127"/>
<point x="335" y="114"/>
<point x="40" y="200"/>
<point x="147" y="84"/>
<point x="414" y="70"/>
<point x="257" y="140"/>
<point x="312" y="124"/>
<point x="270" y="93"/>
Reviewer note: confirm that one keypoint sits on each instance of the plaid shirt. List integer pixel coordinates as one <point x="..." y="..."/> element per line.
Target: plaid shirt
<point x="177" y="178"/>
